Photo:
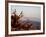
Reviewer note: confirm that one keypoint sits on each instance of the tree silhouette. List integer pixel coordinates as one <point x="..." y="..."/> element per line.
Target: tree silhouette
<point x="21" y="14"/>
<point x="14" y="12"/>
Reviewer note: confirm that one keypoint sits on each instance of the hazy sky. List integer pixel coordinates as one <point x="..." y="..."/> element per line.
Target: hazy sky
<point x="28" y="11"/>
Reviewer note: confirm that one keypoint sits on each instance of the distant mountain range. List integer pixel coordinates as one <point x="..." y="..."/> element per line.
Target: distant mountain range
<point x="35" y="21"/>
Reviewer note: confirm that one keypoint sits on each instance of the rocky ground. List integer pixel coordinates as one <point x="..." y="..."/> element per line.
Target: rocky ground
<point x="20" y="26"/>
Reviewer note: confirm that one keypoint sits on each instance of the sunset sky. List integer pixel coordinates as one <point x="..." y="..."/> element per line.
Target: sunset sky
<point x="28" y="11"/>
